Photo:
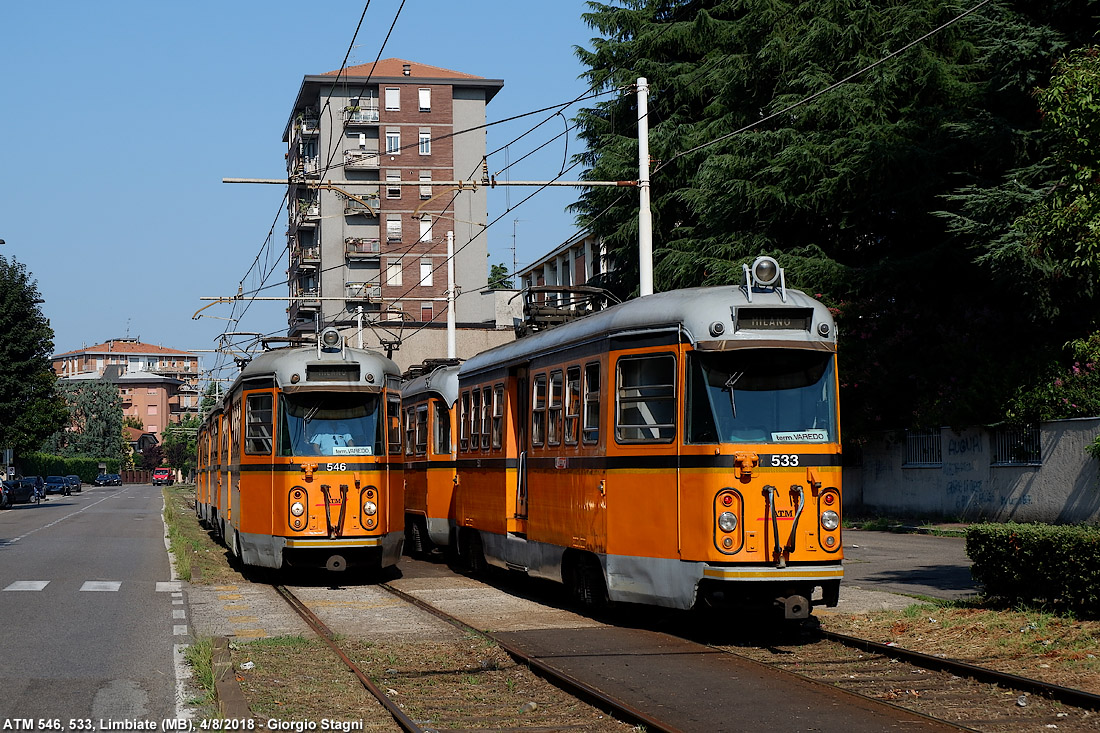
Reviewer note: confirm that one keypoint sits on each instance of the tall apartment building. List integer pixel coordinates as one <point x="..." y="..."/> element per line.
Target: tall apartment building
<point x="158" y="385"/>
<point x="356" y="237"/>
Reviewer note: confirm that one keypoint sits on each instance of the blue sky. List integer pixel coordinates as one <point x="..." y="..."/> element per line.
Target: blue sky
<point x="121" y="119"/>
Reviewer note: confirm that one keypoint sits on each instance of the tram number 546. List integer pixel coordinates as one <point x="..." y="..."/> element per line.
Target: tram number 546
<point x="785" y="459"/>
<point x="344" y="466"/>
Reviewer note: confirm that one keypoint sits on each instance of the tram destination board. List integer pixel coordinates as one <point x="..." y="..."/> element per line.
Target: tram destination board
<point x="774" y="319"/>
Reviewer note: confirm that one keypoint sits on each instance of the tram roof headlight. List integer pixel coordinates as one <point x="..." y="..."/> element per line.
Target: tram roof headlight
<point x="830" y="520"/>
<point x="330" y="339"/>
<point x="765" y="270"/>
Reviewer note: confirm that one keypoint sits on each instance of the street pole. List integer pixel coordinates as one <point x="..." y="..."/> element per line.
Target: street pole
<point x="645" y="216"/>
<point x="359" y="322"/>
<point x="451" y="348"/>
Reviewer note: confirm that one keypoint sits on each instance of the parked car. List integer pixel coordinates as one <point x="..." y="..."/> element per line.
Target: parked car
<point x="163" y="477"/>
<point x="108" y="479"/>
<point x="22" y="490"/>
<point x="57" y="485"/>
<point x="75" y="484"/>
<point x="15" y="491"/>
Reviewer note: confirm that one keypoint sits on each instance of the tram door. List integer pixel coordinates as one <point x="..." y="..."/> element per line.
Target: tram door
<point x="521" y="421"/>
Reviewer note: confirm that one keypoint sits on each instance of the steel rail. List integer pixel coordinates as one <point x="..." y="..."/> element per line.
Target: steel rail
<point x="407" y="724"/>
<point x="567" y="682"/>
<point x="1066" y="695"/>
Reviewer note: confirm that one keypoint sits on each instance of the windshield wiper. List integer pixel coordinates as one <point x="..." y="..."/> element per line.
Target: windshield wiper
<point x="311" y="412"/>
<point x="733" y="379"/>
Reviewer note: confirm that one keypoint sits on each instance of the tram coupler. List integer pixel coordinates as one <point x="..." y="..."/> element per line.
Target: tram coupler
<point x="795" y="607"/>
<point x="336" y="564"/>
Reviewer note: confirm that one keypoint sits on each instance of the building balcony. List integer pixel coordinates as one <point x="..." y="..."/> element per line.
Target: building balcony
<point x="307" y="125"/>
<point x="306" y="257"/>
<point x="307" y="298"/>
<point x="310" y="166"/>
<point x="361" y="248"/>
<point x="359" y="160"/>
<point x="361" y="115"/>
<point x="353" y="207"/>
<point x="362" y="292"/>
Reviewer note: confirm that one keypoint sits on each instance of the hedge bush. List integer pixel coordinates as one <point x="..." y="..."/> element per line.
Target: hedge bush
<point x="1052" y="565"/>
<point x="44" y="464"/>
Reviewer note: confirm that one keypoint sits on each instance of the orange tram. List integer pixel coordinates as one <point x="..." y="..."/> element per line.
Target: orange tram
<point x="300" y="463"/>
<point x="681" y="449"/>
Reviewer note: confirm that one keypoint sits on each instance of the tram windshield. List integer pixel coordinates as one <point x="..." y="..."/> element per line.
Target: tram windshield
<point x="761" y="396"/>
<point x="330" y="424"/>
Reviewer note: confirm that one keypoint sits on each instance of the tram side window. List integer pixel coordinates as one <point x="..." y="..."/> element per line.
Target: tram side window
<point x="591" y="426"/>
<point x="475" y="419"/>
<point x="422" y="430"/>
<point x="553" y="422"/>
<point x="572" y="403"/>
<point x="486" y="416"/>
<point x="393" y="415"/>
<point x="410" y="430"/>
<point x="259" y="423"/>
<point x="646" y="399"/>
<point x="463" y="423"/>
<point x="498" y="415"/>
<point x="538" y="410"/>
<point x="441" y="429"/>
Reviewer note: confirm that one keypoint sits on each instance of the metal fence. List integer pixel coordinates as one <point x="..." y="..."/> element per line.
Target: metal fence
<point x="1016" y="445"/>
<point x="923" y="448"/>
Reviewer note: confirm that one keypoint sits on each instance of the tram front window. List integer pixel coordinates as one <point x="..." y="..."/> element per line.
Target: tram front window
<point x="330" y="424"/>
<point x="761" y="396"/>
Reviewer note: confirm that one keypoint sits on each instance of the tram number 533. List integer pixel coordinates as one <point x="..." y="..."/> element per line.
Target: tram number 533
<point x="785" y="459"/>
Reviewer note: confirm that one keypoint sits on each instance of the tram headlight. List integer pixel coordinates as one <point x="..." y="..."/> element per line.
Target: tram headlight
<point x="765" y="270"/>
<point x="370" y="508"/>
<point x="830" y="520"/>
<point x="727" y="521"/>
<point x="297" y="509"/>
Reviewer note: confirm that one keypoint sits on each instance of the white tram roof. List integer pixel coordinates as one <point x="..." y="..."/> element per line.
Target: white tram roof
<point x="440" y="382"/>
<point x="698" y="312"/>
<point x="363" y="370"/>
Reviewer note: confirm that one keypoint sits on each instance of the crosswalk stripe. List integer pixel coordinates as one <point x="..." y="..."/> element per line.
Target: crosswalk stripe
<point x="28" y="585"/>
<point x="108" y="586"/>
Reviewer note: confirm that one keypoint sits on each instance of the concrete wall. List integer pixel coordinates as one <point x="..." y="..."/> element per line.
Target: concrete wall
<point x="1064" y="488"/>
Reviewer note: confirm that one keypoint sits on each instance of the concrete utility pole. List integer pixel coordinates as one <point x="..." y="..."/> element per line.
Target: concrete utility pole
<point x="452" y="350"/>
<point x="645" y="216"/>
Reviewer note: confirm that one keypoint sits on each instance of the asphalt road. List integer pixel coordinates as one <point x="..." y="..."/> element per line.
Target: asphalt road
<point x="912" y="564"/>
<point x="87" y="607"/>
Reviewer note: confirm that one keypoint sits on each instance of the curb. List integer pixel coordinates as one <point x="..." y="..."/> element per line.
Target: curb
<point x="228" y="696"/>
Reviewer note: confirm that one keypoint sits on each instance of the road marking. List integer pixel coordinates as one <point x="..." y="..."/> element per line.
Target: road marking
<point x="28" y="585"/>
<point x="179" y="614"/>
<point x="106" y="586"/>
<point x="168" y="587"/>
<point x="179" y="630"/>
<point x="62" y="519"/>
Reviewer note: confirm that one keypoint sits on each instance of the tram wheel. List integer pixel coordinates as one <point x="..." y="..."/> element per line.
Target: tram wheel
<point x="474" y="553"/>
<point x="588" y="586"/>
<point x="416" y="540"/>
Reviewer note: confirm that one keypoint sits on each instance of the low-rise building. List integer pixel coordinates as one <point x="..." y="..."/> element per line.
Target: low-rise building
<point x="158" y="385"/>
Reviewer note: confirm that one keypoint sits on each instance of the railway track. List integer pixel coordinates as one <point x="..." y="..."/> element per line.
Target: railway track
<point x="964" y="696"/>
<point x="967" y="695"/>
<point x="576" y="688"/>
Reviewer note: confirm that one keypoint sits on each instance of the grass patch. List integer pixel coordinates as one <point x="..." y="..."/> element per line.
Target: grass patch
<point x="200" y="656"/>
<point x="1027" y="642"/>
<point x="198" y="557"/>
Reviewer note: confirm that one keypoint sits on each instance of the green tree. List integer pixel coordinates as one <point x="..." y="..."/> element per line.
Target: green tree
<point x="179" y="444"/>
<point x="844" y="188"/>
<point x="499" y="278"/>
<point x="29" y="402"/>
<point x="95" y="421"/>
